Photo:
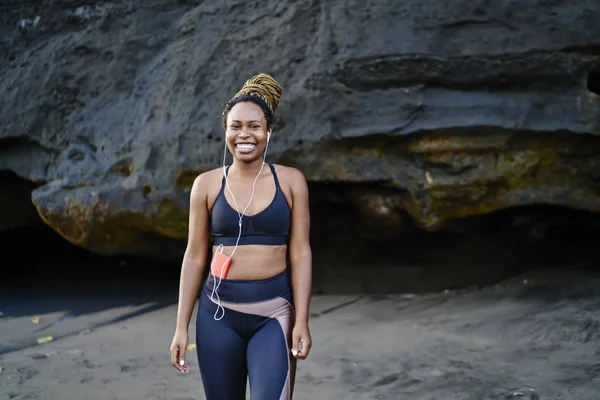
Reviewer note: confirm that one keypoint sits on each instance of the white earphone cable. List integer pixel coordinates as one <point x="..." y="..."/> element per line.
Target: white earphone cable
<point x="240" y="216"/>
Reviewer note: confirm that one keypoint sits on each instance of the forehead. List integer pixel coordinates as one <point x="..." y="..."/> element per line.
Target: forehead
<point x="246" y="111"/>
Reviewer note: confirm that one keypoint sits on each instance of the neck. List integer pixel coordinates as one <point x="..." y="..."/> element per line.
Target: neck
<point x="245" y="170"/>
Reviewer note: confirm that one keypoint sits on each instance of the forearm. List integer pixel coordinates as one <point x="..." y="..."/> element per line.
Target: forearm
<point x="302" y="284"/>
<point x="189" y="284"/>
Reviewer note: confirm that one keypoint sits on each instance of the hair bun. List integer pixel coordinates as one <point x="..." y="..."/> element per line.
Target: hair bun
<point x="265" y="87"/>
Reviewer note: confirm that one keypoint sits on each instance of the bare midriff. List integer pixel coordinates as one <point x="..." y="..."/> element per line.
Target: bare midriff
<point x="253" y="262"/>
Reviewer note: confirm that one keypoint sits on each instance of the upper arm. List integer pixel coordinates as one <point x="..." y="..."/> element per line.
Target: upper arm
<point x="300" y="226"/>
<point x="198" y="224"/>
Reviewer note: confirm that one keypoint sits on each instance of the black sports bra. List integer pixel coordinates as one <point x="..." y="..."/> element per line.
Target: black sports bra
<point x="269" y="227"/>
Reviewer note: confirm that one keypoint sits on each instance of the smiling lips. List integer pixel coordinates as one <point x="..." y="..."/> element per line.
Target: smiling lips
<point x="245" y="147"/>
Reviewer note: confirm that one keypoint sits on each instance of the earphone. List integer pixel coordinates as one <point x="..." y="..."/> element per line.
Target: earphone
<point x="240" y="216"/>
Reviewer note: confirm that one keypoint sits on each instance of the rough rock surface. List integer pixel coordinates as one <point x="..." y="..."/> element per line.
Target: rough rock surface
<point x="399" y="114"/>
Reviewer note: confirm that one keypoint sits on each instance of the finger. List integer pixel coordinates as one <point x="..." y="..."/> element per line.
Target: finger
<point x="182" y="360"/>
<point x="176" y="359"/>
<point x="307" y="350"/>
<point x="304" y="350"/>
<point x="301" y="353"/>
<point x="299" y="350"/>
<point x="295" y="342"/>
<point x="184" y="366"/>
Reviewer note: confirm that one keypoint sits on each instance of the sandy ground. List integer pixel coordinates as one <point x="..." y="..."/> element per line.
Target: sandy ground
<point x="533" y="337"/>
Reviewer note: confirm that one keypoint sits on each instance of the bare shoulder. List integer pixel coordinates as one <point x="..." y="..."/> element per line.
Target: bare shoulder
<point x="290" y="176"/>
<point x="205" y="182"/>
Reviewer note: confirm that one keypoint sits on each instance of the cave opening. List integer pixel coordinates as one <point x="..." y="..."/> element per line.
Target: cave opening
<point x="475" y="251"/>
<point x="39" y="262"/>
<point x="39" y="255"/>
<point x="593" y="80"/>
<point x="351" y="253"/>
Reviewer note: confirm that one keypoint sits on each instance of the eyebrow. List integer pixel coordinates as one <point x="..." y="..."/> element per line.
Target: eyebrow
<point x="239" y="122"/>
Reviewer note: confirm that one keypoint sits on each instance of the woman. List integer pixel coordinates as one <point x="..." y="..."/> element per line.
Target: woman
<point x="251" y="322"/>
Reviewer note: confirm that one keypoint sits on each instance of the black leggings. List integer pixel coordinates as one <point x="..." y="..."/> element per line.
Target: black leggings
<point x="251" y="340"/>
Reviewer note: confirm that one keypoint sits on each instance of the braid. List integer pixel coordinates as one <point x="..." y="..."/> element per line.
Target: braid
<point x="265" y="87"/>
<point x="262" y="90"/>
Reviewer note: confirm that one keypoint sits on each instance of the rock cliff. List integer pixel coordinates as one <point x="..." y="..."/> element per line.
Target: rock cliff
<point x="403" y="115"/>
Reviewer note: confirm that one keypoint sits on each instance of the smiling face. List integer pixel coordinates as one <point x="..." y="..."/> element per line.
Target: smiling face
<point x="246" y="131"/>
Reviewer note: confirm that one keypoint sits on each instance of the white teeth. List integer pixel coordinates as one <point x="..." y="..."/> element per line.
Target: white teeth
<point x="243" y="146"/>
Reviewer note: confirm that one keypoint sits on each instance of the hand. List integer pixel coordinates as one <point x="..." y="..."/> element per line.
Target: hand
<point x="178" y="348"/>
<point x="301" y="341"/>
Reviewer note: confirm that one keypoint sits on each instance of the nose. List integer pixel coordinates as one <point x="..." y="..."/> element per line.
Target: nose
<point x="244" y="133"/>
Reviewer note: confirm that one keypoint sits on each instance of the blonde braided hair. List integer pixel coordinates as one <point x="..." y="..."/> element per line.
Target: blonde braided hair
<point x="265" y="87"/>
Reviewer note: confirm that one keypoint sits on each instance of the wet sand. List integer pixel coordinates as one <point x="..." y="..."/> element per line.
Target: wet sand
<point x="536" y="336"/>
